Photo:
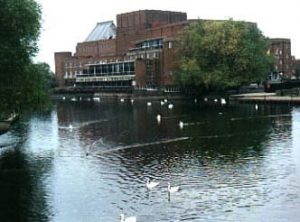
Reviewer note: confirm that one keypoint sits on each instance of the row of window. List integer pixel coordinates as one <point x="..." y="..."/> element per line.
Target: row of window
<point x="154" y="43"/>
<point x="148" y="55"/>
<point x="104" y="79"/>
<point x="110" y="69"/>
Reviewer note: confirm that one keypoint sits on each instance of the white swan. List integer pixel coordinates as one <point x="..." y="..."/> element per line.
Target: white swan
<point x="170" y="106"/>
<point x="149" y="103"/>
<point x="181" y="124"/>
<point x="223" y="101"/>
<point x="128" y="219"/>
<point x="122" y="100"/>
<point x="158" y="117"/>
<point x="172" y="189"/>
<point x="151" y="184"/>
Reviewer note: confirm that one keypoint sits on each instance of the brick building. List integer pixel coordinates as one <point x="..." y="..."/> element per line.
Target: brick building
<point x="138" y="52"/>
<point x="283" y="64"/>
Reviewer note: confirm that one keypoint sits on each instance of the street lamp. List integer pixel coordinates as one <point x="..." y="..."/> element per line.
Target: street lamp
<point x="281" y="81"/>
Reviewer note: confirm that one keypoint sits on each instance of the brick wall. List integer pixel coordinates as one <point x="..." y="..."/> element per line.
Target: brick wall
<point x="99" y="48"/>
<point x="281" y="49"/>
<point x="60" y="58"/>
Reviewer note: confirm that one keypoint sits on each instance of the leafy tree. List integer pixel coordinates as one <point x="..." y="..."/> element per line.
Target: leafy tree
<point x="19" y="32"/>
<point x="222" y="54"/>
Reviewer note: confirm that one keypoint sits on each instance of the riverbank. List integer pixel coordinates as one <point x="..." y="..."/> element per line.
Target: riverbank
<point x="265" y="98"/>
<point x="6" y="123"/>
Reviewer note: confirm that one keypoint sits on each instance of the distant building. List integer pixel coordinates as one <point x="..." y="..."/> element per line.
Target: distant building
<point x="138" y="53"/>
<point x="283" y="64"/>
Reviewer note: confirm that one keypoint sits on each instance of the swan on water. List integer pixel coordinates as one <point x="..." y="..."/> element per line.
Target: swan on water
<point x="151" y="184"/>
<point x="165" y="100"/>
<point x="128" y="219"/>
<point x="170" y="106"/>
<point x="223" y="101"/>
<point x="180" y="124"/>
<point x="158" y="117"/>
<point x="172" y="189"/>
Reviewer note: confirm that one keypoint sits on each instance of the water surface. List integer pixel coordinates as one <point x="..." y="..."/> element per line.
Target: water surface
<point x="239" y="163"/>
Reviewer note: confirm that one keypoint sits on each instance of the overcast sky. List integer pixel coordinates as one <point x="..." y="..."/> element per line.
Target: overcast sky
<point x="67" y="22"/>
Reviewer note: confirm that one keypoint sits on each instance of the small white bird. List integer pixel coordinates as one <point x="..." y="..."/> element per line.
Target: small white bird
<point x="165" y="100"/>
<point x="70" y="127"/>
<point x="205" y="99"/>
<point x="170" y="106"/>
<point x="172" y="189"/>
<point x="132" y="100"/>
<point x="215" y="100"/>
<point x="122" y="100"/>
<point x="158" y="117"/>
<point x="181" y="124"/>
<point x="256" y="107"/>
<point x="162" y="103"/>
<point x="151" y="184"/>
<point x="128" y="219"/>
<point x="195" y="100"/>
<point x="149" y="103"/>
<point x="63" y="98"/>
<point x="223" y="101"/>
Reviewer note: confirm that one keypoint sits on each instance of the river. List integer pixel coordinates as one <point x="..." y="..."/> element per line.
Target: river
<point x="89" y="161"/>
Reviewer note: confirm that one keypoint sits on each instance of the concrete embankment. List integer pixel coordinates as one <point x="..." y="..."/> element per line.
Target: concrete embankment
<point x="265" y="98"/>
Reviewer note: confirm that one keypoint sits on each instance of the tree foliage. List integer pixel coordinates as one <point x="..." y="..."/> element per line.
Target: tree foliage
<point x="222" y="54"/>
<point x="21" y="81"/>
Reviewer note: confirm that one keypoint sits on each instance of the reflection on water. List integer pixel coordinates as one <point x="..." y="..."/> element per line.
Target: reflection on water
<point x="237" y="163"/>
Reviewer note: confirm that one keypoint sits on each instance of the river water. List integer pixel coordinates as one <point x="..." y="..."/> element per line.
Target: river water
<point x="89" y="161"/>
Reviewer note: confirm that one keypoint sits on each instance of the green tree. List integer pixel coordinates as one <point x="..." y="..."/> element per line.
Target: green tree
<point x="19" y="31"/>
<point x="222" y="54"/>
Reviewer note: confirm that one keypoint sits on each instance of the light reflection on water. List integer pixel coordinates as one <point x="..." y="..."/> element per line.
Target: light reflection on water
<point x="238" y="165"/>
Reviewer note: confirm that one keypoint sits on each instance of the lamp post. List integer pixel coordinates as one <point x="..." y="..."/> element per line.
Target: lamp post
<point x="281" y="82"/>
